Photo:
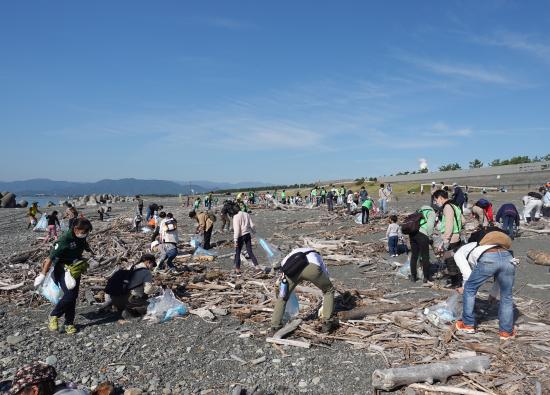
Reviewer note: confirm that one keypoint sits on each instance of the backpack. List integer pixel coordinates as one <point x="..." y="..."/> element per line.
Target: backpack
<point x="170" y="225"/>
<point x="411" y="223"/>
<point x="296" y="263"/>
<point x="211" y="215"/>
<point x="535" y="195"/>
<point x="119" y="283"/>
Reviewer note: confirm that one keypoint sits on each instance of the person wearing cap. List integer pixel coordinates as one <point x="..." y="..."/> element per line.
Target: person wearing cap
<point x="134" y="302"/>
<point x="66" y="257"/>
<point x="38" y="378"/>
<point x="167" y="252"/>
<point x="458" y="197"/>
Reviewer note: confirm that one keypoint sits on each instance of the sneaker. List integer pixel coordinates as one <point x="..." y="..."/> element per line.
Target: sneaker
<point x="506" y="335"/>
<point x="461" y="327"/>
<point x="70" y="329"/>
<point x="53" y="324"/>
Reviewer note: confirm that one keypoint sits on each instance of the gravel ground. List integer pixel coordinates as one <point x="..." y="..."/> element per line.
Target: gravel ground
<point x="190" y="355"/>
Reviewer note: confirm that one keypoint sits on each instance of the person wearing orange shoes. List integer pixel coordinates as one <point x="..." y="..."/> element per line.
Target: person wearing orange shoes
<point x="495" y="259"/>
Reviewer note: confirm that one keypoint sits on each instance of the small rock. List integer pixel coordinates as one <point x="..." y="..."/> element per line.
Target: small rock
<point x="12" y="340"/>
<point x="120" y="369"/>
<point x="51" y="360"/>
<point x="276" y="361"/>
<point x="316" y="380"/>
<point x="302" y="384"/>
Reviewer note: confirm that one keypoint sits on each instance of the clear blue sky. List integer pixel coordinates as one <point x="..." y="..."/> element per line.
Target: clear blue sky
<point x="281" y="91"/>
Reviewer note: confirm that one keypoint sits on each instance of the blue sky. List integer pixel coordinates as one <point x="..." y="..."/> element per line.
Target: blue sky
<point x="285" y="91"/>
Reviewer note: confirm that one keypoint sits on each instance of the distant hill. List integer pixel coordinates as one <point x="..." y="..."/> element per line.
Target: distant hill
<point x="214" y="186"/>
<point x="126" y="186"/>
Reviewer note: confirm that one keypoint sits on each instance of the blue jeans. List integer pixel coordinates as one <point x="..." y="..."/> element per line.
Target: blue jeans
<point x="383" y="205"/>
<point x="508" y="225"/>
<point x="497" y="265"/>
<point x="393" y="241"/>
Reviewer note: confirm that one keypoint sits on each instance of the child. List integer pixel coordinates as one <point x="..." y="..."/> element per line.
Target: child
<point x="53" y="224"/>
<point x="393" y="234"/>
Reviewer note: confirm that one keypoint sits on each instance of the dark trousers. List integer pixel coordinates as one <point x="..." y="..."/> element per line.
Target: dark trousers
<point x="244" y="240"/>
<point x="207" y="236"/>
<point x="136" y="305"/>
<point x="452" y="268"/>
<point x="140" y="208"/>
<point x="364" y="215"/>
<point x="420" y="246"/>
<point x="67" y="304"/>
<point x="508" y="223"/>
<point x="330" y="204"/>
<point x="393" y="241"/>
<point x="546" y="212"/>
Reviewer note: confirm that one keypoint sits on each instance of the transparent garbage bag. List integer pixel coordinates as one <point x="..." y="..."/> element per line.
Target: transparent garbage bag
<point x="292" y="308"/>
<point x="271" y="252"/>
<point x="196" y="241"/>
<point x="359" y="219"/>
<point x="165" y="307"/>
<point x="199" y="251"/>
<point x="405" y="270"/>
<point x="445" y="312"/>
<point x="50" y="290"/>
<point x="42" y="224"/>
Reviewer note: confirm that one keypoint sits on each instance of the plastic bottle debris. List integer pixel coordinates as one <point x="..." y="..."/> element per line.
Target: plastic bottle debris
<point x="165" y="307"/>
<point x="272" y="253"/>
<point x="50" y="290"/>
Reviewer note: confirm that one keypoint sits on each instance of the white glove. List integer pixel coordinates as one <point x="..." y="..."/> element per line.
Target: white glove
<point x="39" y="280"/>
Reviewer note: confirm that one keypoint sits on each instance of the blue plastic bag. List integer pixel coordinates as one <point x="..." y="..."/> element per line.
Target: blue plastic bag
<point x="292" y="308"/>
<point x="202" y="252"/>
<point x="50" y="290"/>
<point x="165" y="307"/>
<point x="196" y="241"/>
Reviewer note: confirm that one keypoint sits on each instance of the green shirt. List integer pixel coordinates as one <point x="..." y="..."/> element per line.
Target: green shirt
<point x="68" y="248"/>
<point x="457" y="223"/>
<point x="367" y="203"/>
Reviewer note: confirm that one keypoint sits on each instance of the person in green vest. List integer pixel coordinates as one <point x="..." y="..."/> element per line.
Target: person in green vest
<point x="420" y="244"/>
<point x="342" y="195"/>
<point x="323" y="195"/>
<point x="367" y="205"/>
<point x="283" y="197"/>
<point x="66" y="257"/>
<point x="314" y="195"/>
<point x="197" y="203"/>
<point x="450" y="226"/>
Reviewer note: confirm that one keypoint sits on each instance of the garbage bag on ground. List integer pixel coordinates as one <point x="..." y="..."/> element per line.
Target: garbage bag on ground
<point x="199" y="251"/>
<point x="359" y="219"/>
<point x="42" y="224"/>
<point x="196" y="241"/>
<point x="405" y="270"/>
<point x="292" y="308"/>
<point x="272" y="253"/>
<point x="445" y="312"/>
<point x="165" y="307"/>
<point x="50" y="290"/>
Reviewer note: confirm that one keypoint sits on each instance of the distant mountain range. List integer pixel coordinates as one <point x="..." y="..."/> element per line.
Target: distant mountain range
<point x="125" y="186"/>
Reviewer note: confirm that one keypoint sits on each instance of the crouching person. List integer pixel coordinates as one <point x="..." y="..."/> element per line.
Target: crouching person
<point x="304" y="264"/>
<point x="129" y="289"/>
<point x="66" y="256"/>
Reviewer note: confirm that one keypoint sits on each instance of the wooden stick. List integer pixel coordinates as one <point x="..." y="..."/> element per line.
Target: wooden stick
<point x="287" y="342"/>
<point x="446" y="389"/>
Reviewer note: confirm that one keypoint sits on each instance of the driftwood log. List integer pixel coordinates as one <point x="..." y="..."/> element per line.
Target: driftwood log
<point x="388" y="379"/>
<point x="539" y="257"/>
<point x="363" y="311"/>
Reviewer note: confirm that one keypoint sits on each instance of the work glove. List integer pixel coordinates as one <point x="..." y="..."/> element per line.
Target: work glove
<point x="39" y="280"/>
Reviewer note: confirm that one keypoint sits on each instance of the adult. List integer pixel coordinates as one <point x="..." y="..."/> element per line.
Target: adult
<point x="71" y="214"/>
<point x="205" y="225"/>
<point x="508" y="215"/>
<point x="532" y="206"/>
<point x="243" y="228"/>
<point x="161" y="217"/>
<point x="494" y="259"/>
<point x="451" y="224"/>
<point x="349" y="201"/>
<point x="546" y="202"/>
<point x="330" y="200"/>
<point x="151" y="209"/>
<point x="458" y="196"/>
<point x="66" y="256"/>
<point x="130" y="299"/>
<point x="363" y="194"/>
<point x="383" y="195"/>
<point x="366" y="206"/>
<point x="420" y="244"/>
<point x="166" y="253"/>
<point x="31" y="213"/>
<point x="139" y="201"/>
<point x="305" y="264"/>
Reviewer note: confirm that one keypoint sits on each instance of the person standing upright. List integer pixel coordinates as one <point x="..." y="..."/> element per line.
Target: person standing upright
<point x="383" y="199"/>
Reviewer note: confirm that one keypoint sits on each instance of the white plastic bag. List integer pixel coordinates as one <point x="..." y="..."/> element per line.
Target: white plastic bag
<point x="405" y="270"/>
<point x="50" y="290"/>
<point x="70" y="282"/>
<point x="292" y="308"/>
<point x="359" y="219"/>
<point x="165" y="307"/>
<point x="42" y="224"/>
